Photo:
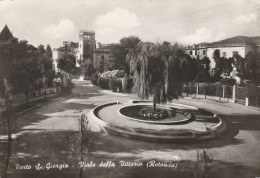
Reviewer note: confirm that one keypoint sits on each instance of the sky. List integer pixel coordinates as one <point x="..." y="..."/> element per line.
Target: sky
<point x="183" y="21"/>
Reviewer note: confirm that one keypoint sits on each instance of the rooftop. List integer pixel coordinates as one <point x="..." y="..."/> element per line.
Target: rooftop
<point x="233" y="41"/>
<point x="5" y="34"/>
<point x="256" y="40"/>
<point x="198" y="46"/>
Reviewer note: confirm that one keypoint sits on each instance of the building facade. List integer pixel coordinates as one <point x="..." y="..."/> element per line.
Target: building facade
<point x="57" y="53"/>
<point x="102" y="52"/>
<point x="86" y="51"/>
<point x="227" y="47"/>
<point x="87" y="45"/>
<point x="197" y="51"/>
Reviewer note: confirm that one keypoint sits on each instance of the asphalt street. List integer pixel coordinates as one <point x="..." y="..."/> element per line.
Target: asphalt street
<point x="43" y="135"/>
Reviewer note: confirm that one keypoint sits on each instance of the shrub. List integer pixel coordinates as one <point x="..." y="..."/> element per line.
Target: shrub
<point x="56" y="82"/>
<point x="227" y="81"/>
<point x="94" y="78"/>
<point x="103" y="83"/>
<point x="129" y="85"/>
<point x="203" y="164"/>
<point x="50" y="75"/>
<point x="214" y="89"/>
<point x="113" y="74"/>
<point x="115" y="83"/>
<point x="246" y="83"/>
<point x="68" y="89"/>
<point x="112" y="84"/>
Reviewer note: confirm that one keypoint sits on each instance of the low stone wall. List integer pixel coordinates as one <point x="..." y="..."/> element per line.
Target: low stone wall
<point x="20" y="99"/>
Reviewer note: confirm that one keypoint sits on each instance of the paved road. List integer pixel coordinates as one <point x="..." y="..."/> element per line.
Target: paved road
<point x="44" y="135"/>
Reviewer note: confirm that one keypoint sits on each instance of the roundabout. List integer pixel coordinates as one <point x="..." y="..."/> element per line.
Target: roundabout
<point x="179" y="123"/>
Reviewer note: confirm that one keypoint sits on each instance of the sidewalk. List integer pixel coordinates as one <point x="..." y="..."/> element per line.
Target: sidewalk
<point x="31" y="105"/>
<point x="223" y="107"/>
<point x="226" y="108"/>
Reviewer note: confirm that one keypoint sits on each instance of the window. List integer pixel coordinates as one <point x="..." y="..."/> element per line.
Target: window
<point x="204" y="52"/>
<point x="195" y="52"/>
<point x="190" y="52"/>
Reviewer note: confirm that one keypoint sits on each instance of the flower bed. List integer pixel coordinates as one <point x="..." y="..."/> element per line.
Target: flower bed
<point x="150" y="114"/>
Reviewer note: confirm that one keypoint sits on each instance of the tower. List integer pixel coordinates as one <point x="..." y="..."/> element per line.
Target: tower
<point x="87" y="45"/>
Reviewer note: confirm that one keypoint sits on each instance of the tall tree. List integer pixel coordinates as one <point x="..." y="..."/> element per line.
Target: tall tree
<point x="246" y="66"/>
<point x="67" y="63"/>
<point x="118" y="52"/>
<point x="219" y="65"/>
<point x="203" y="67"/>
<point x="23" y="65"/>
<point x="251" y="64"/>
<point x="48" y="51"/>
<point x="160" y="70"/>
<point x="130" y="42"/>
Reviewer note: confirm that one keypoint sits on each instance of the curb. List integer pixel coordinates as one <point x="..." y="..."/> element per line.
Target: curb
<point x="34" y="107"/>
<point x="48" y="102"/>
<point x="230" y="104"/>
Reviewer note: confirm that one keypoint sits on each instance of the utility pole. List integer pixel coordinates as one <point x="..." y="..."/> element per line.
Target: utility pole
<point x="66" y="43"/>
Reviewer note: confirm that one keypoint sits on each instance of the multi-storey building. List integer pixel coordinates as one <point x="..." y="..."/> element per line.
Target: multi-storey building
<point x="227" y="47"/>
<point x="197" y="50"/>
<point x="102" y="52"/>
<point x="87" y="45"/>
<point x="57" y="53"/>
<point x="86" y="51"/>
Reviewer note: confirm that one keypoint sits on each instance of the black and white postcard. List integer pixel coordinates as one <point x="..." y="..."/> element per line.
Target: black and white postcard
<point x="129" y="88"/>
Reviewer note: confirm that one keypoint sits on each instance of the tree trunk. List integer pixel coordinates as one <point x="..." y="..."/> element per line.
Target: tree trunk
<point x="8" y="152"/>
<point x="81" y="144"/>
<point x="154" y="100"/>
<point x="9" y="139"/>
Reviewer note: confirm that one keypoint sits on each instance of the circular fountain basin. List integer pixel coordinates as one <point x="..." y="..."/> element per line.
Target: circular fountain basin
<point x="187" y="123"/>
<point x="174" y="115"/>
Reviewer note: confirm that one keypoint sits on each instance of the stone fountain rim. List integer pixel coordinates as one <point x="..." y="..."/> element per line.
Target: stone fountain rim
<point x="103" y="126"/>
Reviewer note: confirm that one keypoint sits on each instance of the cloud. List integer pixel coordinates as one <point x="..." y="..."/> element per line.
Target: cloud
<point x="65" y="27"/>
<point x="117" y="19"/>
<point x="243" y="19"/>
<point x="201" y="35"/>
